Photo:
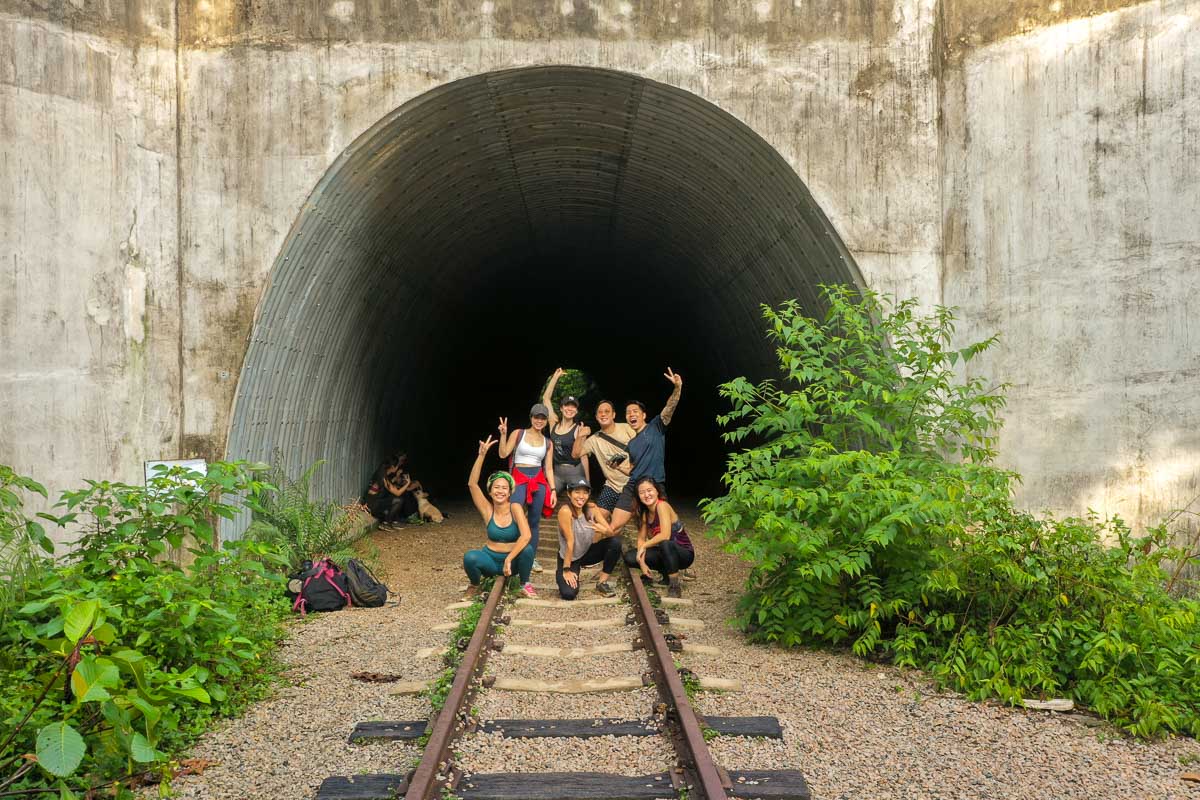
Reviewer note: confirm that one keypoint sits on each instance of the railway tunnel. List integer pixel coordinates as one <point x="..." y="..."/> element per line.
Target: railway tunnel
<point x="501" y="225"/>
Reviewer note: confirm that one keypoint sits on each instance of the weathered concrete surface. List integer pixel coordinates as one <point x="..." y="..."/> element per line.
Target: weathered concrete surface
<point x="1034" y="164"/>
<point x="1072" y="194"/>
<point x="856" y="117"/>
<point x="89" y="301"/>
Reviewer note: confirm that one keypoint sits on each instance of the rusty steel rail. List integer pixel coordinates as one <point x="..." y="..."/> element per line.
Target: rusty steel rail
<point x="691" y="749"/>
<point x="428" y="778"/>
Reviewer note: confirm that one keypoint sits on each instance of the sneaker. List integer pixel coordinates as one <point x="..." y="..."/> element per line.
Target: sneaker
<point x="529" y="591"/>
<point x="687" y="575"/>
<point x="603" y="588"/>
<point x="536" y="566"/>
<point x="473" y="591"/>
<point x="675" y="590"/>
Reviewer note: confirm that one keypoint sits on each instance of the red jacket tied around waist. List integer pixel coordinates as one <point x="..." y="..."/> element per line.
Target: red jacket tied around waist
<point x="534" y="483"/>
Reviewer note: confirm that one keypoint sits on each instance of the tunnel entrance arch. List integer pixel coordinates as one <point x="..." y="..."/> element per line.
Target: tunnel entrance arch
<point x="499" y="225"/>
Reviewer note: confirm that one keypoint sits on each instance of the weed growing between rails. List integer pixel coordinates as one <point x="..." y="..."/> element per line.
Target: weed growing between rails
<point x="119" y="657"/>
<point x="868" y="504"/>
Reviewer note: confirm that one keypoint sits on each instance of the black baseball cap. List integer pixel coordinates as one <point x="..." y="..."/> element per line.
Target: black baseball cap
<point x="569" y="400"/>
<point x="578" y="484"/>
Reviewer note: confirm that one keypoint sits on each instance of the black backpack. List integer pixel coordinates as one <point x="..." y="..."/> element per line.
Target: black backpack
<point x="365" y="588"/>
<point x="322" y="587"/>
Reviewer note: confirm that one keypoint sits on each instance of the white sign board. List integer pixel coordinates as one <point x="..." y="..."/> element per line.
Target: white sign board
<point x="194" y="464"/>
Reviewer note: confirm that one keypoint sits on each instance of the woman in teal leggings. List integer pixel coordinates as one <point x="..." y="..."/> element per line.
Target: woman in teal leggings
<point x="509" y="540"/>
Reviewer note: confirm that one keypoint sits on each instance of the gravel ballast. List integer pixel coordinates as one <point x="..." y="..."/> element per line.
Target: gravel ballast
<point x="856" y="730"/>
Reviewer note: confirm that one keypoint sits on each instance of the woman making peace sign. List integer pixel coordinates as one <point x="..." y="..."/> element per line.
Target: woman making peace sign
<point x="507" y="529"/>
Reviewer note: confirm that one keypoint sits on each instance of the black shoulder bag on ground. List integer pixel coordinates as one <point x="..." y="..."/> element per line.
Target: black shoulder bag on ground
<point x="365" y="589"/>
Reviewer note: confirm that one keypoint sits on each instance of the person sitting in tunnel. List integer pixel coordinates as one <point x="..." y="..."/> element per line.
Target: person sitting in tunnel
<point x="509" y="539"/>
<point x="568" y="468"/>
<point x="391" y="495"/>
<point x="531" y="459"/>
<point x="662" y="544"/>
<point x="610" y="446"/>
<point x="647" y="449"/>
<point x="584" y="538"/>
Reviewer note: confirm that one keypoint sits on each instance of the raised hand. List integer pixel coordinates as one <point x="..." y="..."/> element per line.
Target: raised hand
<point x="582" y="430"/>
<point x="503" y="427"/>
<point x="558" y="373"/>
<point x="484" y="446"/>
<point x="673" y="377"/>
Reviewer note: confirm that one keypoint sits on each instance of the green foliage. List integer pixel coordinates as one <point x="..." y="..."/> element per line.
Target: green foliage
<point x="24" y="546"/>
<point x="302" y="529"/>
<point x="691" y="684"/>
<point x="120" y="656"/>
<point x="574" y="383"/>
<point x="468" y="619"/>
<point x="867" y="504"/>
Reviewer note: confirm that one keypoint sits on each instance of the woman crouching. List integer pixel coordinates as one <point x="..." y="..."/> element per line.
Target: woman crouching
<point x="662" y="545"/>
<point x="507" y="529"/>
<point x="584" y="538"/>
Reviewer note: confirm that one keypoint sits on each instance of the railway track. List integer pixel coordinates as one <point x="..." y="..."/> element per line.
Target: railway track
<point x="695" y="775"/>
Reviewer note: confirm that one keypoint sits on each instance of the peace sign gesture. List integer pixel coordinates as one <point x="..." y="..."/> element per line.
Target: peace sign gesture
<point x="484" y="446"/>
<point x="673" y="377"/>
<point x="503" y="427"/>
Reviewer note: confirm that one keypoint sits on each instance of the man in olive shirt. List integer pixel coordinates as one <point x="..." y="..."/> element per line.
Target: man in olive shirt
<point x="610" y="447"/>
<point x="646" y="450"/>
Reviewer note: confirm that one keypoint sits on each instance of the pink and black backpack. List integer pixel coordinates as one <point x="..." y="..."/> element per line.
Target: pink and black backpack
<point x="322" y="587"/>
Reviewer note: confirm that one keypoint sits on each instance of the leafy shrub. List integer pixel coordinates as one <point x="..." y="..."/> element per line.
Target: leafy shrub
<point x="870" y="510"/>
<point x="288" y="520"/>
<point x="119" y="657"/>
<point x="24" y="545"/>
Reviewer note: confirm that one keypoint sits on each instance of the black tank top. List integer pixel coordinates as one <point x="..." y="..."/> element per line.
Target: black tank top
<point x="563" y="442"/>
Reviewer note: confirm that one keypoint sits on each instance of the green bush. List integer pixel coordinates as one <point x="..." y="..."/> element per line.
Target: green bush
<point x="120" y="656"/>
<point x="24" y="546"/>
<point x="870" y="510"/>
<point x="288" y="520"/>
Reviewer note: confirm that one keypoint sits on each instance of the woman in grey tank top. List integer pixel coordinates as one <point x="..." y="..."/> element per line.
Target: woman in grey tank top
<point x="584" y="538"/>
<point x="562" y="431"/>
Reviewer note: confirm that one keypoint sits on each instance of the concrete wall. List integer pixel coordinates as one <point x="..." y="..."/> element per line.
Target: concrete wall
<point x="137" y="232"/>
<point x="1072" y="194"/>
<point x="89" y="293"/>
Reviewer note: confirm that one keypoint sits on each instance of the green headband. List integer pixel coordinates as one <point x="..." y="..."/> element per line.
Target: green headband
<point x="500" y="474"/>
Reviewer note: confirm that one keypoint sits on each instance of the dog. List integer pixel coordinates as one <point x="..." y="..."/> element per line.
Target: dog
<point x="426" y="509"/>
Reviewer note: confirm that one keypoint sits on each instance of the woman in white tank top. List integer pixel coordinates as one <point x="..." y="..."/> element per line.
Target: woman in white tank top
<point x="532" y="462"/>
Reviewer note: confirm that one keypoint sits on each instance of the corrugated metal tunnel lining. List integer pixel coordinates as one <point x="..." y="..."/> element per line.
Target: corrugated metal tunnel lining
<point x="500" y="225"/>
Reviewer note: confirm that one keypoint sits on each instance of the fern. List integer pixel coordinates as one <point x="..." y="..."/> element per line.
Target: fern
<point x="302" y="529"/>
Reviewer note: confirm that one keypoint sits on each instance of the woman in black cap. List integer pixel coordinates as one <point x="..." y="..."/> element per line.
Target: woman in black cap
<point x="567" y="470"/>
<point x="531" y="459"/>
<point x="584" y="538"/>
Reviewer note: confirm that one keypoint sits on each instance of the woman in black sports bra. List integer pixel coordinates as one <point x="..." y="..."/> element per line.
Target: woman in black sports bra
<point x="563" y="430"/>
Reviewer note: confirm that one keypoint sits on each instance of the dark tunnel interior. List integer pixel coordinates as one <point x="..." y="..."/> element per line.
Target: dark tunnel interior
<point x="500" y="226"/>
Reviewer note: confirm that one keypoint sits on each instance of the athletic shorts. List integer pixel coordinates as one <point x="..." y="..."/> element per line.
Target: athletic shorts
<point x="564" y="474"/>
<point x="608" y="498"/>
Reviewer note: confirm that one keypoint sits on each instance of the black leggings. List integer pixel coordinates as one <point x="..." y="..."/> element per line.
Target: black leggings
<point x="389" y="508"/>
<point x="665" y="557"/>
<point x="607" y="550"/>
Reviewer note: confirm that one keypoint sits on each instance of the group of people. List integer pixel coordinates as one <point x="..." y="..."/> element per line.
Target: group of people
<point x="394" y="497"/>
<point x="548" y="462"/>
<point x="391" y="496"/>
